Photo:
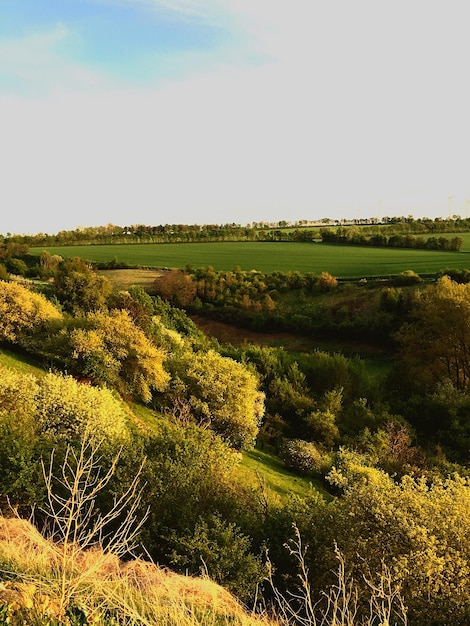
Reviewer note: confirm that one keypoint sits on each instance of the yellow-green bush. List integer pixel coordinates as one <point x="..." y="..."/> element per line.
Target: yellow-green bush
<point x="62" y="407"/>
<point x="23" y="312"/>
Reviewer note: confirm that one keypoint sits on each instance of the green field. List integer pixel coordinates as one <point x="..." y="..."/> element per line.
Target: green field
<point x="341" y="261"/>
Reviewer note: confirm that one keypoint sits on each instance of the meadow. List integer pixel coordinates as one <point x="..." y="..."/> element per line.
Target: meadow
<point x="341" y="261"/>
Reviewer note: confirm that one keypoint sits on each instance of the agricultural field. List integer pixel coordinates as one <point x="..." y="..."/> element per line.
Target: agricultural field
<point x="341" y="261"/>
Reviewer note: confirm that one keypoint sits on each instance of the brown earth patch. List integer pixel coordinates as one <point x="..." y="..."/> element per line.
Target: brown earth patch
<point x="228" y="333"/>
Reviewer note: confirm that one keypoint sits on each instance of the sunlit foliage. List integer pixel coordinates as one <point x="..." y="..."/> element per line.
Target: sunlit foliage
<point x="110" y="349"/>
<point x="221" y="394"/>
<point x="60" y="406"/>
<point x="436" y="343"/>
<point x="23" y="312"/>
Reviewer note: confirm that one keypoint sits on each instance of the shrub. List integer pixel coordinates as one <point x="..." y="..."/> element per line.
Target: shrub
<point x="327" y="282"/>
<point x="303" y="457"/>
<point x="408" y="277"/>
<point x="219" y="549"/>
<point x="110" y="349"/>
<point x="16" y="266"/>
<point x="62" y="407"/>
<point x="220" y="393"/>
<point x="23" y="312"/>
<point x="72" y="411"/>
<point x="420" y="528"/>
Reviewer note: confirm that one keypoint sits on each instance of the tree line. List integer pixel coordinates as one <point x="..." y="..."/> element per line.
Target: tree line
<point x="357" y="237"/>
<point x="301" y="231"/>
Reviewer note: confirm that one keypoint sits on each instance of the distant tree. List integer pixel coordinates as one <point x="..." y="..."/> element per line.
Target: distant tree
<point x="137" y="303"/>
<point x="49" y="261"/>
<point x="456" y="244"/>
<point x="176" y="286"/>
<point x="321" y="423"/>
<point x="16" y="266"/>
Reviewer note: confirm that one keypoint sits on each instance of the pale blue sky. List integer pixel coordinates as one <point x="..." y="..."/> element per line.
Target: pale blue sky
<point x="194" y="111"/>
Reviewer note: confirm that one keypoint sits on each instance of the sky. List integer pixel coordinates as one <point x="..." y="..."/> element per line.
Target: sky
<point x="217" y="111"/>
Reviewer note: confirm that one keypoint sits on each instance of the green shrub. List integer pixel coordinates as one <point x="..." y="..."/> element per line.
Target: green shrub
<point x="219" y="549"/>
<point x="16" y="266"/>
<point x="303" y="457"/>
<point x="408" y="277"/>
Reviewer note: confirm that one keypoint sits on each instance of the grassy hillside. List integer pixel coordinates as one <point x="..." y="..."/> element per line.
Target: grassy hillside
<point x="20" y="362"/>
<point x="257" y="470"/>
<point x="262" y="470"/>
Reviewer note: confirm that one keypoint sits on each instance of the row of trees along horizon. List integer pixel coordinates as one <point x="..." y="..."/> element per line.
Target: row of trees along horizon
<point x="386" y="442"/>
<point x="366" y="231"/>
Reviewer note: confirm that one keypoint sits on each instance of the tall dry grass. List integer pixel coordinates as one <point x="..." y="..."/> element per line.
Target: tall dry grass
<point x="109" y="589"/>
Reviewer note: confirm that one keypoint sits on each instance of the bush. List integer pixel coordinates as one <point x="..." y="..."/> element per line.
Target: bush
<point x="219" y="549"/>
<point x="110" y="349"/>
<point x="303" y="457"/>
<point x="219" y="393"/>
<point x="327" y="282"/>
<point x="419" y="528"/>
<point x="37" y="415"/>
<point x="189" y="475"/>
<point x="61" y="407"/>
<point x="72" y="411"/>
<point x="408" y="277"/>
<point x="23" y="312"/>
<point x="16" y="266"/>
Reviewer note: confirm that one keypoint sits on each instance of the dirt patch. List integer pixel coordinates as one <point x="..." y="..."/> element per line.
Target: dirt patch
<point x="227" y="333"/>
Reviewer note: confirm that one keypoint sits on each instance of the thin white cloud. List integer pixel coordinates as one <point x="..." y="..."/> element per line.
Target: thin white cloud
<point x="37" y="64"/>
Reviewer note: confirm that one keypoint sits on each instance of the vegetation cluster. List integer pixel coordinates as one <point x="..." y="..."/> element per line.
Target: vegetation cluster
<point x="134" y="398"/>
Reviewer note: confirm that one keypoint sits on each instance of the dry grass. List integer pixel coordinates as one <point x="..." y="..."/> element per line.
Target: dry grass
<point x="136" y="590"/>
<point x="123" y="279"/>
<point x="114" y="592"/>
